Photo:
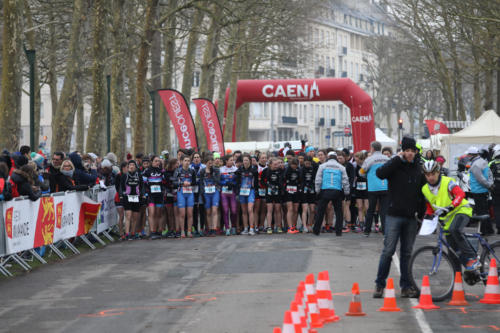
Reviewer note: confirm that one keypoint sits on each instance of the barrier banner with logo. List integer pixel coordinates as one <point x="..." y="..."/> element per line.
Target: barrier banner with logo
<point x="210" y="122"/>
<point x="67" y="207"/>
<point x="30" y="224"/>
<point x="180" y="115"/>
<point x="108" y="215"/>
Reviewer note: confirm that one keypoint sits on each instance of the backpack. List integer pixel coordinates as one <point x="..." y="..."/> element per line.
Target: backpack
<point x="5" y="190"/>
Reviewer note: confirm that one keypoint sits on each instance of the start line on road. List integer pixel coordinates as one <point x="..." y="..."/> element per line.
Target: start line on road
<point x="220" y="284"/>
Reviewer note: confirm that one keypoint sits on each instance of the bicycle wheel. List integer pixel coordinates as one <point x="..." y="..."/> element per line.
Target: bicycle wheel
<point x="425" y="261"/>
<point x="485" y="260"/>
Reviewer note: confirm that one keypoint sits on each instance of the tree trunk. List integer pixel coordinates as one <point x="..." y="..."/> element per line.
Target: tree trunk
<point x="30" y="36"/>
<point x="156" y="83"/>
<point x="95" y="137"/>
<point x="206" y="76"/>
<point x="498" y="86"/>
<point x="223" y="84"/>
<point x="477" y="95"/>
<point x="488" y="90"/>
<point x="52" y="76"/>
<point x="62" y="123"/>
<point x="187" y="78"/>
<point x="142" y="68"/>
<point x="118" y="125"/>
<point x="10" y="101"/>
<point x="168" y="74"/>
<point x="80" y="123"/>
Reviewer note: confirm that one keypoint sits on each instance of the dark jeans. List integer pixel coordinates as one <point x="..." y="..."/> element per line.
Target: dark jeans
<point x="481" y="207"/>
<point x="456" y="238"/>
<point x="336" y="197"/>
<point x="374" y="197"/>
<point x="397" y="227"/>
<point x="496" y="207"/>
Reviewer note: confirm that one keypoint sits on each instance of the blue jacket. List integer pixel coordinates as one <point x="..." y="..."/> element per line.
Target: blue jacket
<point x="80" y="176"/>
<point x="370" y="166"/>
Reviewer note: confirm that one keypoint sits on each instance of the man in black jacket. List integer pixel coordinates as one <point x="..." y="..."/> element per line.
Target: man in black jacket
<point x="405" y="181"/>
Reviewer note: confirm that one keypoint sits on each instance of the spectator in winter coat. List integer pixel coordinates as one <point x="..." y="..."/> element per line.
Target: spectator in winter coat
<point x="23" y="183"/>
<point x="80" y="176"/>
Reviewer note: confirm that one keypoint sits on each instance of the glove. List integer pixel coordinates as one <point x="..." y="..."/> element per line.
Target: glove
<point x="441" y="212"/>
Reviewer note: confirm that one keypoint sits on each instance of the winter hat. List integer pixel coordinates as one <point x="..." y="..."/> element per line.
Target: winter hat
<point x="111" y="157"/>
<point x="106" y="164"/>
<point x="310" y="148"/>
<point x="93" y="156"/>
<point x="408" y="143"/>
<point x="38" y="159"/>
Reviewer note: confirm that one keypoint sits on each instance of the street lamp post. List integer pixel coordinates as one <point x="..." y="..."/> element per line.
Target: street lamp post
<point x="108" y="113"/>
<point x="400" y="130"/>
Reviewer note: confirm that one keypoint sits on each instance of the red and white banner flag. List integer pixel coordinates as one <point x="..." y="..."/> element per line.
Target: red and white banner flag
<point x="178" y="111"/>
<point x="436" y="127"/>
<point x="210" y="121"/>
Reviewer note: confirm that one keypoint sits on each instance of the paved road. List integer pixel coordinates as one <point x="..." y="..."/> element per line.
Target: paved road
<point x="222" y="284"/>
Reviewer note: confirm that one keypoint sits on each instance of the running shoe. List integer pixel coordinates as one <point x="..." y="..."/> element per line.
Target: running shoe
<point x="189" y="234"/>
<point x="377" y="230"/>
<point x="233" y="231"/>
<point x="245" y="231"/>
<point x="177" y="234"/>
<point x="123" y="237"/>
<point x="228" y="232"/>
<point x="357" y="230"/>
<point x="305" y="230"/>
<point x="137" y="236"/>
<point x="280" y="230"/>
<point x="155" y="235"/>
<point x="269" y="230"/>
<point x="323" y="230"/>
<point x="329" y="229"/>
<point x="251" y="232"/>
<point x="164" y="233"/>
<point x="346" y="229"/>
<point x="293" y="230"/>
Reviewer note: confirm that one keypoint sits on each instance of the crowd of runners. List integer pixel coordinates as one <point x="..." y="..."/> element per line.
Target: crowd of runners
<point x="197" y="194"/>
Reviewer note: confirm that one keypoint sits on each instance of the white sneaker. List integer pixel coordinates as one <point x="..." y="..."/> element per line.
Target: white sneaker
<point x="305" y="231"/>
<point x="245" y="231"/>
<point x="251" y="232"/>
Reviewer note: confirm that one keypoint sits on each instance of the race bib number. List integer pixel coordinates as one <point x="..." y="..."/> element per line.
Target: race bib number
<point x="271" y="191"/>
<point x="245" y="191"/>
<point x="226" y="190"/>
<point x="133" y="198"/>
<point x="155" y="188"/>
<point x="361" y="186"/>
<point x="187" y="190"/>
<point x="291" y="189"/>
<point x="210" y="189"/>
<point x="262" y="192"/>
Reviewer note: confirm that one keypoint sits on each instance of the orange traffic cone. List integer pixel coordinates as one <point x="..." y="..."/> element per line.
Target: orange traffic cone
<point x="301" y="306"/>
<point x="325" y="300"/>
<point x="296" y="320"/>
<point x="277" y="330"/>
<point x="492" y="290"/>
<point x="287" y="323"/>
<point x="314" y="318"/>
<point x="425" y="300"/>
<point x="355" y="306"/>
<point x="458" y="297"/>
<point x="309" y="286"/>
<point x="389" y="298"/>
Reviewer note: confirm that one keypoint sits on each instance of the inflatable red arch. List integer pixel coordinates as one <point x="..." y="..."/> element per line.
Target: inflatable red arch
<point x="306" y="90"/>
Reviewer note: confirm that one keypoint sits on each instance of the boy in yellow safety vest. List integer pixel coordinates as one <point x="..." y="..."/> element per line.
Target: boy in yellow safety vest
<point x="447" y="200"/>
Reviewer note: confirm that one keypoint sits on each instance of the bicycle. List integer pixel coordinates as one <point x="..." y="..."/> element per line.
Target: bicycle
<point x="441" y="265"/>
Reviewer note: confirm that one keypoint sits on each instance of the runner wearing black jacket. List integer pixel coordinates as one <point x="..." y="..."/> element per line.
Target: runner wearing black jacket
<point x="308" y="195"/>
<point x="272" y="180"/>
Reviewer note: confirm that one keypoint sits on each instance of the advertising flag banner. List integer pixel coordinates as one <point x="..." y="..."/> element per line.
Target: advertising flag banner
<point x="210" y="121"/>
<point x="180" y="115"/>
<point x="67" y="207"/>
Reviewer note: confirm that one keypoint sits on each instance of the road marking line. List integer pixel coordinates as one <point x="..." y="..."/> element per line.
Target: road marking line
<point x="419" y="314"/>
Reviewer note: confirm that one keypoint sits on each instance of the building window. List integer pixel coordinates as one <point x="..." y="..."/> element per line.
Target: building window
<point x="345" y="19"/>
<point x="322" y="41"/>
<point x="316" y="36"/>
